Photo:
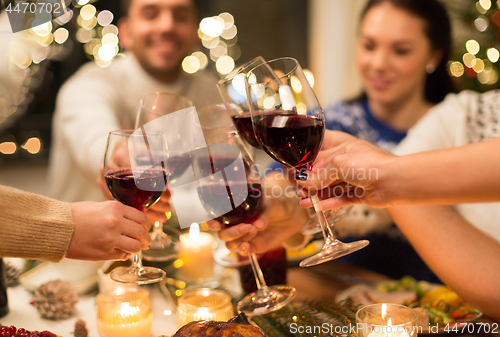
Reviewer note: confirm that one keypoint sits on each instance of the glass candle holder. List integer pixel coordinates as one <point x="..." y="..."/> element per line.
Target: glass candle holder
<point x="386" y="320"/>
<point x="203" y="304"/>
<point x="124" y="312"/>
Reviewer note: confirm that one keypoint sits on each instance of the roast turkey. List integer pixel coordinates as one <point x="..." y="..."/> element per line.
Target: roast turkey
<point x="236" y="327"/>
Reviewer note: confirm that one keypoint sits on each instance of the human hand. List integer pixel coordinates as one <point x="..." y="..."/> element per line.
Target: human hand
<point x="107" y="231"/>
<point x="350" y="171"/>
<point x="281" y="219"/>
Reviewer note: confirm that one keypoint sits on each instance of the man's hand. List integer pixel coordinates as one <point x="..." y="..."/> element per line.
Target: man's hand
<point x="107" y="231"/>
<point x="281" y="219"/>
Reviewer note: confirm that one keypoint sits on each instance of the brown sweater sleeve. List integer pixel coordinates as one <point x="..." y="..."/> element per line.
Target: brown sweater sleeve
<point x="33" y="226"/>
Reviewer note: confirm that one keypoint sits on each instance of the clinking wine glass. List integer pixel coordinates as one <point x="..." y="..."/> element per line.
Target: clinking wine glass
<point x="289" y="124"/>
<point x="159" y="107"/>
<point x="230" y="190"/>
<point x="136" y="182"/>
<point x="233" y="92"/>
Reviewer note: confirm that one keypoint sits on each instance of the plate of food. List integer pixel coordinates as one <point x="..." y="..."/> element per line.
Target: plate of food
<point x="439" y="309"/>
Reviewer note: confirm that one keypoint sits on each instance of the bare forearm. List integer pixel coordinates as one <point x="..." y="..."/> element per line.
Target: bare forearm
<point x="459" y="254"/>
<point x="457" y="175"/>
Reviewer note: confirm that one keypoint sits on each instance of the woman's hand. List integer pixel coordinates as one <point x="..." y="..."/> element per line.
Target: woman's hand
<point x="107" y="231"/>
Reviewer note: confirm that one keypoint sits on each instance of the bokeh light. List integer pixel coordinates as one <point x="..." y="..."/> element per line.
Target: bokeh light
<point x="486" y="4"/>
<point x="472" y="46"/>
<point x="224" y="64"/>
<point x="478" y="66"/>
<point x="191" y="64"/>
<point x="228" y="20"/>
<point x="212" y="26"/>
<point x="8" y="147"/>
<point x="481" y="23"/>
<point x="202" y="58"/>
<point x="87" y="12"/>
<point x="493" y="54"/>
<point x="456" y="69"/>
<point x="105" y="18"/>
<point x="469" y="60"/>
<point x="32" y="145"/>
<point x="61" y="35"/>
<point x="82" y="2"/>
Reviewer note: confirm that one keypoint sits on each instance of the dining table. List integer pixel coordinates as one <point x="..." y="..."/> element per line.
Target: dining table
<point x="322" y="282"/>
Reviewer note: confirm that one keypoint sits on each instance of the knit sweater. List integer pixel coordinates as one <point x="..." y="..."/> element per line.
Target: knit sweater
<point x="33" y="226"/>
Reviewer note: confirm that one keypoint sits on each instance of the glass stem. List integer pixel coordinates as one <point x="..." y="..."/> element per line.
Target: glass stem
<point x="327" y="231"/>
<point x="259" y="276"/>
<point x="138" y="260"/>
<point x="157" y="230"/>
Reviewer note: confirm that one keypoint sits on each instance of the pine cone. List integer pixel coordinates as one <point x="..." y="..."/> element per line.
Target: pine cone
<point x="12" y="275"/>
<point x="81" y="328"/>
<point x="56" y="300"/>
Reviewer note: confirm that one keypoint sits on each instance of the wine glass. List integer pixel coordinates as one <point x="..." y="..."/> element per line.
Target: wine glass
<point x="134" y="174"/>
<point x="289" y="124"/>
<point x="233" y="92"/>
<point x="153" y="107"/>
<point x="230" y="190"/>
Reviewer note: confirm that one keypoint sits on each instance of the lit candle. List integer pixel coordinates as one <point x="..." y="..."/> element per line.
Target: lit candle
<point x="203" y="304"/>
<point x="124" y="319"/>
<point x="386" y="320"/>
<point x="196" y="254"/>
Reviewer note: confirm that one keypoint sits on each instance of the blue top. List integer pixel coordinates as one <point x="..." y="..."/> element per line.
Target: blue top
<point x="388" y="252"/>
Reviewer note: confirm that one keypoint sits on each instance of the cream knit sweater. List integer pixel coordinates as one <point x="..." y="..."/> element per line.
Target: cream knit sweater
<point x="33" y="226"/>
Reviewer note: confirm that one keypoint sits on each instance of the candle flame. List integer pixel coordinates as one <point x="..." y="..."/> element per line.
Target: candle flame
<point x="194" y="231"/>
<point x="389" y="322"/>
<point x="384" y="311"/>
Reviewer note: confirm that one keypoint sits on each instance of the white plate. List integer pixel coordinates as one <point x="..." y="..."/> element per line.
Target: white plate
<point x="426" y="330"/>
<point x="81" y="275"/>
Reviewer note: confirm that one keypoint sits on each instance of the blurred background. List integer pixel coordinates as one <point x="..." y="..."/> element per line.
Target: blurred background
<point x="321" y="34"/>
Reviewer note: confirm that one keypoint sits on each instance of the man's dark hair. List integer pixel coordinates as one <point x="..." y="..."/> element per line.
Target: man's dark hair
<point x="125" y="6"/>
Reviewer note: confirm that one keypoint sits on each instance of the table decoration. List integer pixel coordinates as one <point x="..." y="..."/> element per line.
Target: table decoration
<point x="196" y="259"/>
<point x="318" y="318"/>
<point x="55" y="300"/>
<point x="386" y="320"/>
<point x="203" y="304"/>
<point x="81" y="328"/>
<point x="124" y="312"/>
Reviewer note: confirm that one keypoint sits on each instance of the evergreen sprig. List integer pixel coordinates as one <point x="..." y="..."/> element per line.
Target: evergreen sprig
<point x="307" y="317"/>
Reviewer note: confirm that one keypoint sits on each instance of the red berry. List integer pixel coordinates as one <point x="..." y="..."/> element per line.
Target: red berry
<point x="12" y="330"/>
<point x="4" y="328"/>
<point x="4" y="333"/>
<point x="46" y="333"/>
<point x="21" y="330"/>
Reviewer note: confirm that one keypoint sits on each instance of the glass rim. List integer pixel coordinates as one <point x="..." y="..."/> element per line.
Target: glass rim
<point x="130" y="132"/>
<point x="111" y="297"/>
<point x="237" y="71"/>
<point x="164" y="94"/>
<point x="400" y="306"/>
<point x="223" y="296"/>
<point x="297" y="66"/>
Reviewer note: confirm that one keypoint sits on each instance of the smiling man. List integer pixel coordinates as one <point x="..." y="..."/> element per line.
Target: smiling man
<point x="156" y="35"/>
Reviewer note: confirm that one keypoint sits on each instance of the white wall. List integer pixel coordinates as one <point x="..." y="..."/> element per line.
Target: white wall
<point x="332" y="40"/>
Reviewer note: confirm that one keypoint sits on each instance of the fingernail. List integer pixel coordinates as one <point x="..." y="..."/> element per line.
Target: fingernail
<point x="245" y="228"/>
<point x="259" y="224"/>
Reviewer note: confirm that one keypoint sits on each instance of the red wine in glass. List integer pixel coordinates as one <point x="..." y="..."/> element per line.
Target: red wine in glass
<point x="177" y="165"/>
<point x="139" y="193"/>
<point x="293" y="140"/>
<point x="212" y="194"/>
<point x="243" y="123"/>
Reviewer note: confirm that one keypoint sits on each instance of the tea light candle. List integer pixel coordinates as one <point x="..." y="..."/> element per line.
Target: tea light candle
<point x="196" y="254"/>
<point x="124" y="313"/>
<point x="203" y="304"/>
<point x="386" y="320"/>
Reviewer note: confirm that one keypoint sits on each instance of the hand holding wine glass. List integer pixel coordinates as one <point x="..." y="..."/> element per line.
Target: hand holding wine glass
<point x="135" y="182"/>
<point x="289" y="124"/>
<point x="156" y="111"/>
<point x="230" y="190"/>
